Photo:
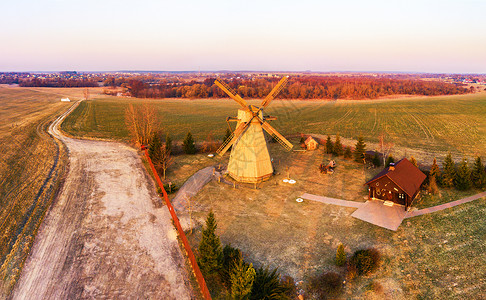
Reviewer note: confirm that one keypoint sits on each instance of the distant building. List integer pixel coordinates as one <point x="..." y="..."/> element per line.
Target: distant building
<point x="311" y="144"/>
<point x="400" y="183"/>
<point x="65" y="100"/>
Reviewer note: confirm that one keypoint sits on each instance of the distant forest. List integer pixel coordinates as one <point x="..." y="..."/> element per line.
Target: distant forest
<point x="309" y="87"/>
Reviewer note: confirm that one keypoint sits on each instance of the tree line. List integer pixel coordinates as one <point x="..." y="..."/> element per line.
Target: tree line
<point x="306" y="87"/>
<point x="57" y="82"/>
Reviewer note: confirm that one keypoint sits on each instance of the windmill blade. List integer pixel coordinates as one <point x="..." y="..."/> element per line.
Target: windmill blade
<point x="283" y="141"/>
<point x="277" y="89"/>
<point x="232" y="138"/>
<point x="230" y="92"/>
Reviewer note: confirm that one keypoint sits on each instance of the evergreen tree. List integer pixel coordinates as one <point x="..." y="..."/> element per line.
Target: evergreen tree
<point x="302" y="140"/>
<point x="478" y="175"/>
<point x="413" y="161"/>
<point x="230" y="257"/>
<point x="340" y="255"/>
<point x="389" y="160"/>
<point x="155" y="149"/>
<point x="449" y="171"/>
<point x="348" y="153"/>
<point x="338" y="147"/>
<point x="462" y="180"/>
<point x="329" y="146"/>
<point x="359" y="150"/>
<point x="168" y="144"/>
<point x="210" y="253"/>
<point x="435" y="171"/>
<point x="242" y="279"/>
<point x="188" y="144"/>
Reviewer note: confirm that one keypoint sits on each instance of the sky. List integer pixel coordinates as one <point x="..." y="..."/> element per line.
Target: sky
<point x="447" y="36"/>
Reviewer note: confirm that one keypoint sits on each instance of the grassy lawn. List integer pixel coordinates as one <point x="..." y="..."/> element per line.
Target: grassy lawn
<point x="431" y="256"/>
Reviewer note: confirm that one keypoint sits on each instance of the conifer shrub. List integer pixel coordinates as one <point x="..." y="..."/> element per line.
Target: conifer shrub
<point x="478" y="174"/>
<point x="462" y="180"/>
<point x="340" y="255"/>
<point x="338" y="147"/>
<point x="449" y="171"/>
<point x="188" y="145"/>
<point x="359" y="150"/>
<point x="348" y="153"/>
<point x="329" y="145"/>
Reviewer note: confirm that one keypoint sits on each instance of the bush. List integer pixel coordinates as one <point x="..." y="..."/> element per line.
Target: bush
<point x="327" y="285"/>
<point x="170" y="188"/>
<point x="366" y="261"/>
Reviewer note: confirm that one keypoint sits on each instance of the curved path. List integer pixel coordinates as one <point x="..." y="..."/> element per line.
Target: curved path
<point x="103" y="236"/>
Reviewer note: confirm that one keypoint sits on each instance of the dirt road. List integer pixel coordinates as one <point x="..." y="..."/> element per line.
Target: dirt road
<point x="103" y="237"/>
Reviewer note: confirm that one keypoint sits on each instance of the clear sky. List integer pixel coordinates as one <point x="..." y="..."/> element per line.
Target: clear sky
<point x="340" y="35"/>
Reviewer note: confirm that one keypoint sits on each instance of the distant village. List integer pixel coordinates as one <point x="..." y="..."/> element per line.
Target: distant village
<point x="103" y="78"/>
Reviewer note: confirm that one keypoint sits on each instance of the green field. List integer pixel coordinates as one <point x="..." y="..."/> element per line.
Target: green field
<point x="437" y="124"/>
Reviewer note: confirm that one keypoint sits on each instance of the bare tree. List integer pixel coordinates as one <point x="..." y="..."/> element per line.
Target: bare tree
<point x="165" y="161"/>
<point x="142" y="122"/>
<point x="385" y="146"/>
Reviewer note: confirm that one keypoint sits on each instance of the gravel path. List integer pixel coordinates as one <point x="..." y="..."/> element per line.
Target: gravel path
<point x="191" y="187"/>
<point x="103" y="237"/>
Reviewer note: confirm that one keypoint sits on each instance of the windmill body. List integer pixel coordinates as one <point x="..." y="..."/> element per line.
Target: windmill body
<point x="250" y="160"/>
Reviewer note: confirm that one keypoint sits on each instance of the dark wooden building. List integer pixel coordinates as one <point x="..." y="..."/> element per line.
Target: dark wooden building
<point x="399" y="183"/>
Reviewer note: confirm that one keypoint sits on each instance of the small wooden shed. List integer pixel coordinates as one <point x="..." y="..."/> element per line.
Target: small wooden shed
<point x="311" y="143"/>
<point x="400" y="183"/>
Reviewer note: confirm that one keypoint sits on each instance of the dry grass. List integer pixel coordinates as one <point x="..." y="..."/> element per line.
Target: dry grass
<point x="301" y="239"/>
<point x="28" y="156"/>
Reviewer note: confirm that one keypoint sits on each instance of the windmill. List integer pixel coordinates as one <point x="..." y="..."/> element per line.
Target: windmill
<point x="249" y="159"/>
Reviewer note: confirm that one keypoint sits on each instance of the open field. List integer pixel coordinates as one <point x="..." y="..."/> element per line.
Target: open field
<point x="441" y="255"/>
<point x="426" y="125"/>
<point x="31" y="164"/>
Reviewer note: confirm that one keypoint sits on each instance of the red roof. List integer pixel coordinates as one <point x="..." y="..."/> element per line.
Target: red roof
<point x="404" y="174"/>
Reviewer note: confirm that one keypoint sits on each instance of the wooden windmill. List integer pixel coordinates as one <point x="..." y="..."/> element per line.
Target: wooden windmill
<point x="249" y="159"/>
